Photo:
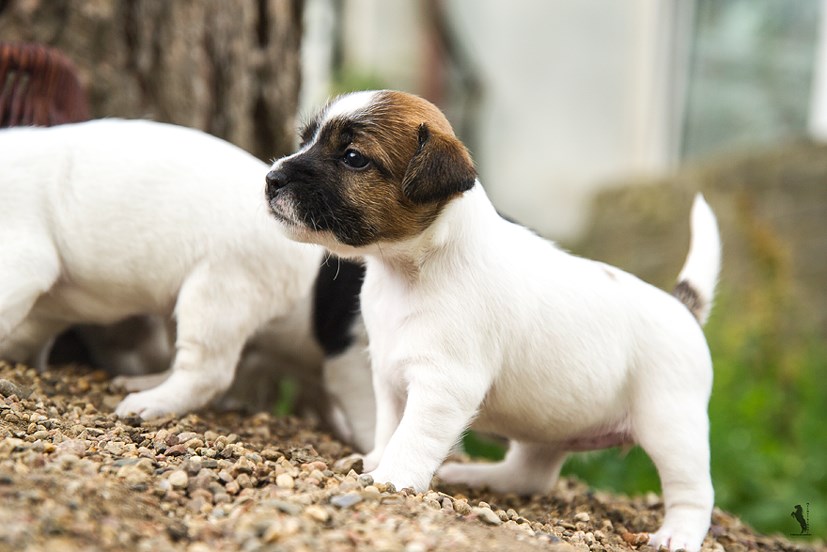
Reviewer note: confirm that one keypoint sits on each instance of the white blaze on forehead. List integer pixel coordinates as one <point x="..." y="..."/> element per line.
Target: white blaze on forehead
<point x="349" y="104"/>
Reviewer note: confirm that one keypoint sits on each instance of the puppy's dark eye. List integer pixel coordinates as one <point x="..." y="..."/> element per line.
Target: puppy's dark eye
<point x="354" y="159"/>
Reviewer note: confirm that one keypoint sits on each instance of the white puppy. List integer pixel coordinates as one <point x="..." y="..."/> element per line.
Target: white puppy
<point x="108" y="219"/>
<point x="473" y="320"/>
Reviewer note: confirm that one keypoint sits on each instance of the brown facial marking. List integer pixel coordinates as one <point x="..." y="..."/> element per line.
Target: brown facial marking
<point x="421" y="165"/>
<point x="413" y="166"/>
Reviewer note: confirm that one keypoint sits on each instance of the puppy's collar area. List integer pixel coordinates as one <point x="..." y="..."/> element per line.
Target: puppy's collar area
<point x="458" y="226"/>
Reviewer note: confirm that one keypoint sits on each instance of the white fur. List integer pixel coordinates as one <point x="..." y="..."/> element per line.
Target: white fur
<point x="479" y="322"/>
<point x="704" y="260"/>
<point x="349" y="104"/>
<point x="108" y="219"/>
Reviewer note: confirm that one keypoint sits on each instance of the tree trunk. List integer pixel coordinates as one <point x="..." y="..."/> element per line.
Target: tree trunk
<point x="229" y="68"/>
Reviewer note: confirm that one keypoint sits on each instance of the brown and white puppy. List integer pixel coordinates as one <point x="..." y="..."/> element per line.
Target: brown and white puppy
<point x="473" y="320"/>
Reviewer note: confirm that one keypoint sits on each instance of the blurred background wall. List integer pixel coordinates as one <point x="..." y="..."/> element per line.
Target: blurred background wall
<point x="593" y="122"/>
<point x="560" y="99"/>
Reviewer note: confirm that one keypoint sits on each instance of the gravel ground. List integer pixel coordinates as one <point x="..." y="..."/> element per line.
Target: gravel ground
<point x="75" y="477"/>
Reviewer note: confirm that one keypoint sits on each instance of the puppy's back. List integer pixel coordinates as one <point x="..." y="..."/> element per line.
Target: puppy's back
<point x="137" y="204"/>
<point x="136" y="178"/>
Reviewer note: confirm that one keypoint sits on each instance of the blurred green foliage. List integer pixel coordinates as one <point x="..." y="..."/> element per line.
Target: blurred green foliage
<point x="287" y="397"/>
<point x="346" y="81"/>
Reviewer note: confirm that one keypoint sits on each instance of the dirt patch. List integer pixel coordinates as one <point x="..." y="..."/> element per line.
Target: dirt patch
<point x="74" y="477"/>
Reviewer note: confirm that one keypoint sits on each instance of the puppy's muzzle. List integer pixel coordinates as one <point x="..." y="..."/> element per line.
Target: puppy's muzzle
<point x="276" y="180"/>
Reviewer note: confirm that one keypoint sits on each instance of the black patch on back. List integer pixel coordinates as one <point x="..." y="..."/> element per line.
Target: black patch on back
<point x="686" y="294"/>
<point x="336" y="303"/>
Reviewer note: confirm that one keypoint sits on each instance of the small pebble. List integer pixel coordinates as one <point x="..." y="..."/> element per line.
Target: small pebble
<point x="9" y="388"/>
<point x="462" y="507"/>
<point x="178" y="479"/>
<point x="487" y="515"/>
<point x="346" y="500"/>
<point x="345" y="465"/>
<point x="431" y="503"/>
<point x="242" y="465"/>
<point x="244" y="481"/>
<point x="76" y="447"/>
<point x="285" y="481"/>
<point x="314" y="511"/>
<point x="290" y="508"/>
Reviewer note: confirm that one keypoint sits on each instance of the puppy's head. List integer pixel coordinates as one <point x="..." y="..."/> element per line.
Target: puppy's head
<point x="372" y="167"/>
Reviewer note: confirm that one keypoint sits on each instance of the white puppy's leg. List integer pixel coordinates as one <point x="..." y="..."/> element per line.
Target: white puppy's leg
<point x="675" y="436"/>
<point x="437" y="411"/>
<point x="347" y="380"/>
<point x="140" y="383"/>
<point x="25" y="274"/>
<point x="389" y="407"/>
<point x="40" y="359"/>
<point x="216" y="313"/>
<point x="527" y="469"/>
<point x="31" y="341"/>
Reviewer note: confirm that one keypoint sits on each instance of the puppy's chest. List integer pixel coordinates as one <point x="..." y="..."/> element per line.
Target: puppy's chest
<point x="388" y="309"/>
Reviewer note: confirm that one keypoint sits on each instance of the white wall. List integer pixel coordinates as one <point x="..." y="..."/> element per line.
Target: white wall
<point x="577" y="96"/>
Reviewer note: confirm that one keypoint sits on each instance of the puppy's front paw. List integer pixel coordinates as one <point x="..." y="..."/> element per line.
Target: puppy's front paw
<point x="677" y="538"/>
<point x="400" y="480"/>
<point x="370" y="461"/>
<point x="151" y="404"/>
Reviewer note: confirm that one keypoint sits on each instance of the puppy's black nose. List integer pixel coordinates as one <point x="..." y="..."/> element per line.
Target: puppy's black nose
<point x="276" y="180"/>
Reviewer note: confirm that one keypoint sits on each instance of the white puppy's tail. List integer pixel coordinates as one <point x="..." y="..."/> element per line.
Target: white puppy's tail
<point x="696" y="282"/>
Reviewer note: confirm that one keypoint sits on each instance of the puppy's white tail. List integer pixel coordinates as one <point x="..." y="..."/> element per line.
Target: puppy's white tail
<point x="696" y="282"/>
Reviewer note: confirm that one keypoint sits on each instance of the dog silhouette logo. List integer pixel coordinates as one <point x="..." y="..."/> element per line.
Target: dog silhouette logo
<point x="803" y="519"/>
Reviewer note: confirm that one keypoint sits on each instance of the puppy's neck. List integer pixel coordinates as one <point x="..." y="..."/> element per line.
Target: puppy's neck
<point x="455" y="232"/>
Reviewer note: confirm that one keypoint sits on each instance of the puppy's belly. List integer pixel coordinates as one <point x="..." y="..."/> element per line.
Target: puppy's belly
<point x="587" y="443"/>
<point x="560" y="438"/>
<point x="574" y="421"/>
<point x="101" y="304"/>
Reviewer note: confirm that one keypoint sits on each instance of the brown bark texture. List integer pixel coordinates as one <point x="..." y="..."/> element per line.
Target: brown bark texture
<point x="229" y="67"/>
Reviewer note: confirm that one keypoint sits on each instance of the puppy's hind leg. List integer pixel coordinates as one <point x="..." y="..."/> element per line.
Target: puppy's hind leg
<point x="25" y="274"/>
<point x="527" y="469"/>
<point x="31" y="341"/>
<point x="216" y="314"/>
<point x="140" y="383"/>
<point x="675" y="435"/>
<point x="347" y="379"/>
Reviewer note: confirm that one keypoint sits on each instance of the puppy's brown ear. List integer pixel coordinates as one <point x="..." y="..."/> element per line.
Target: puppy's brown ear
<point x="440" y="168"/>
